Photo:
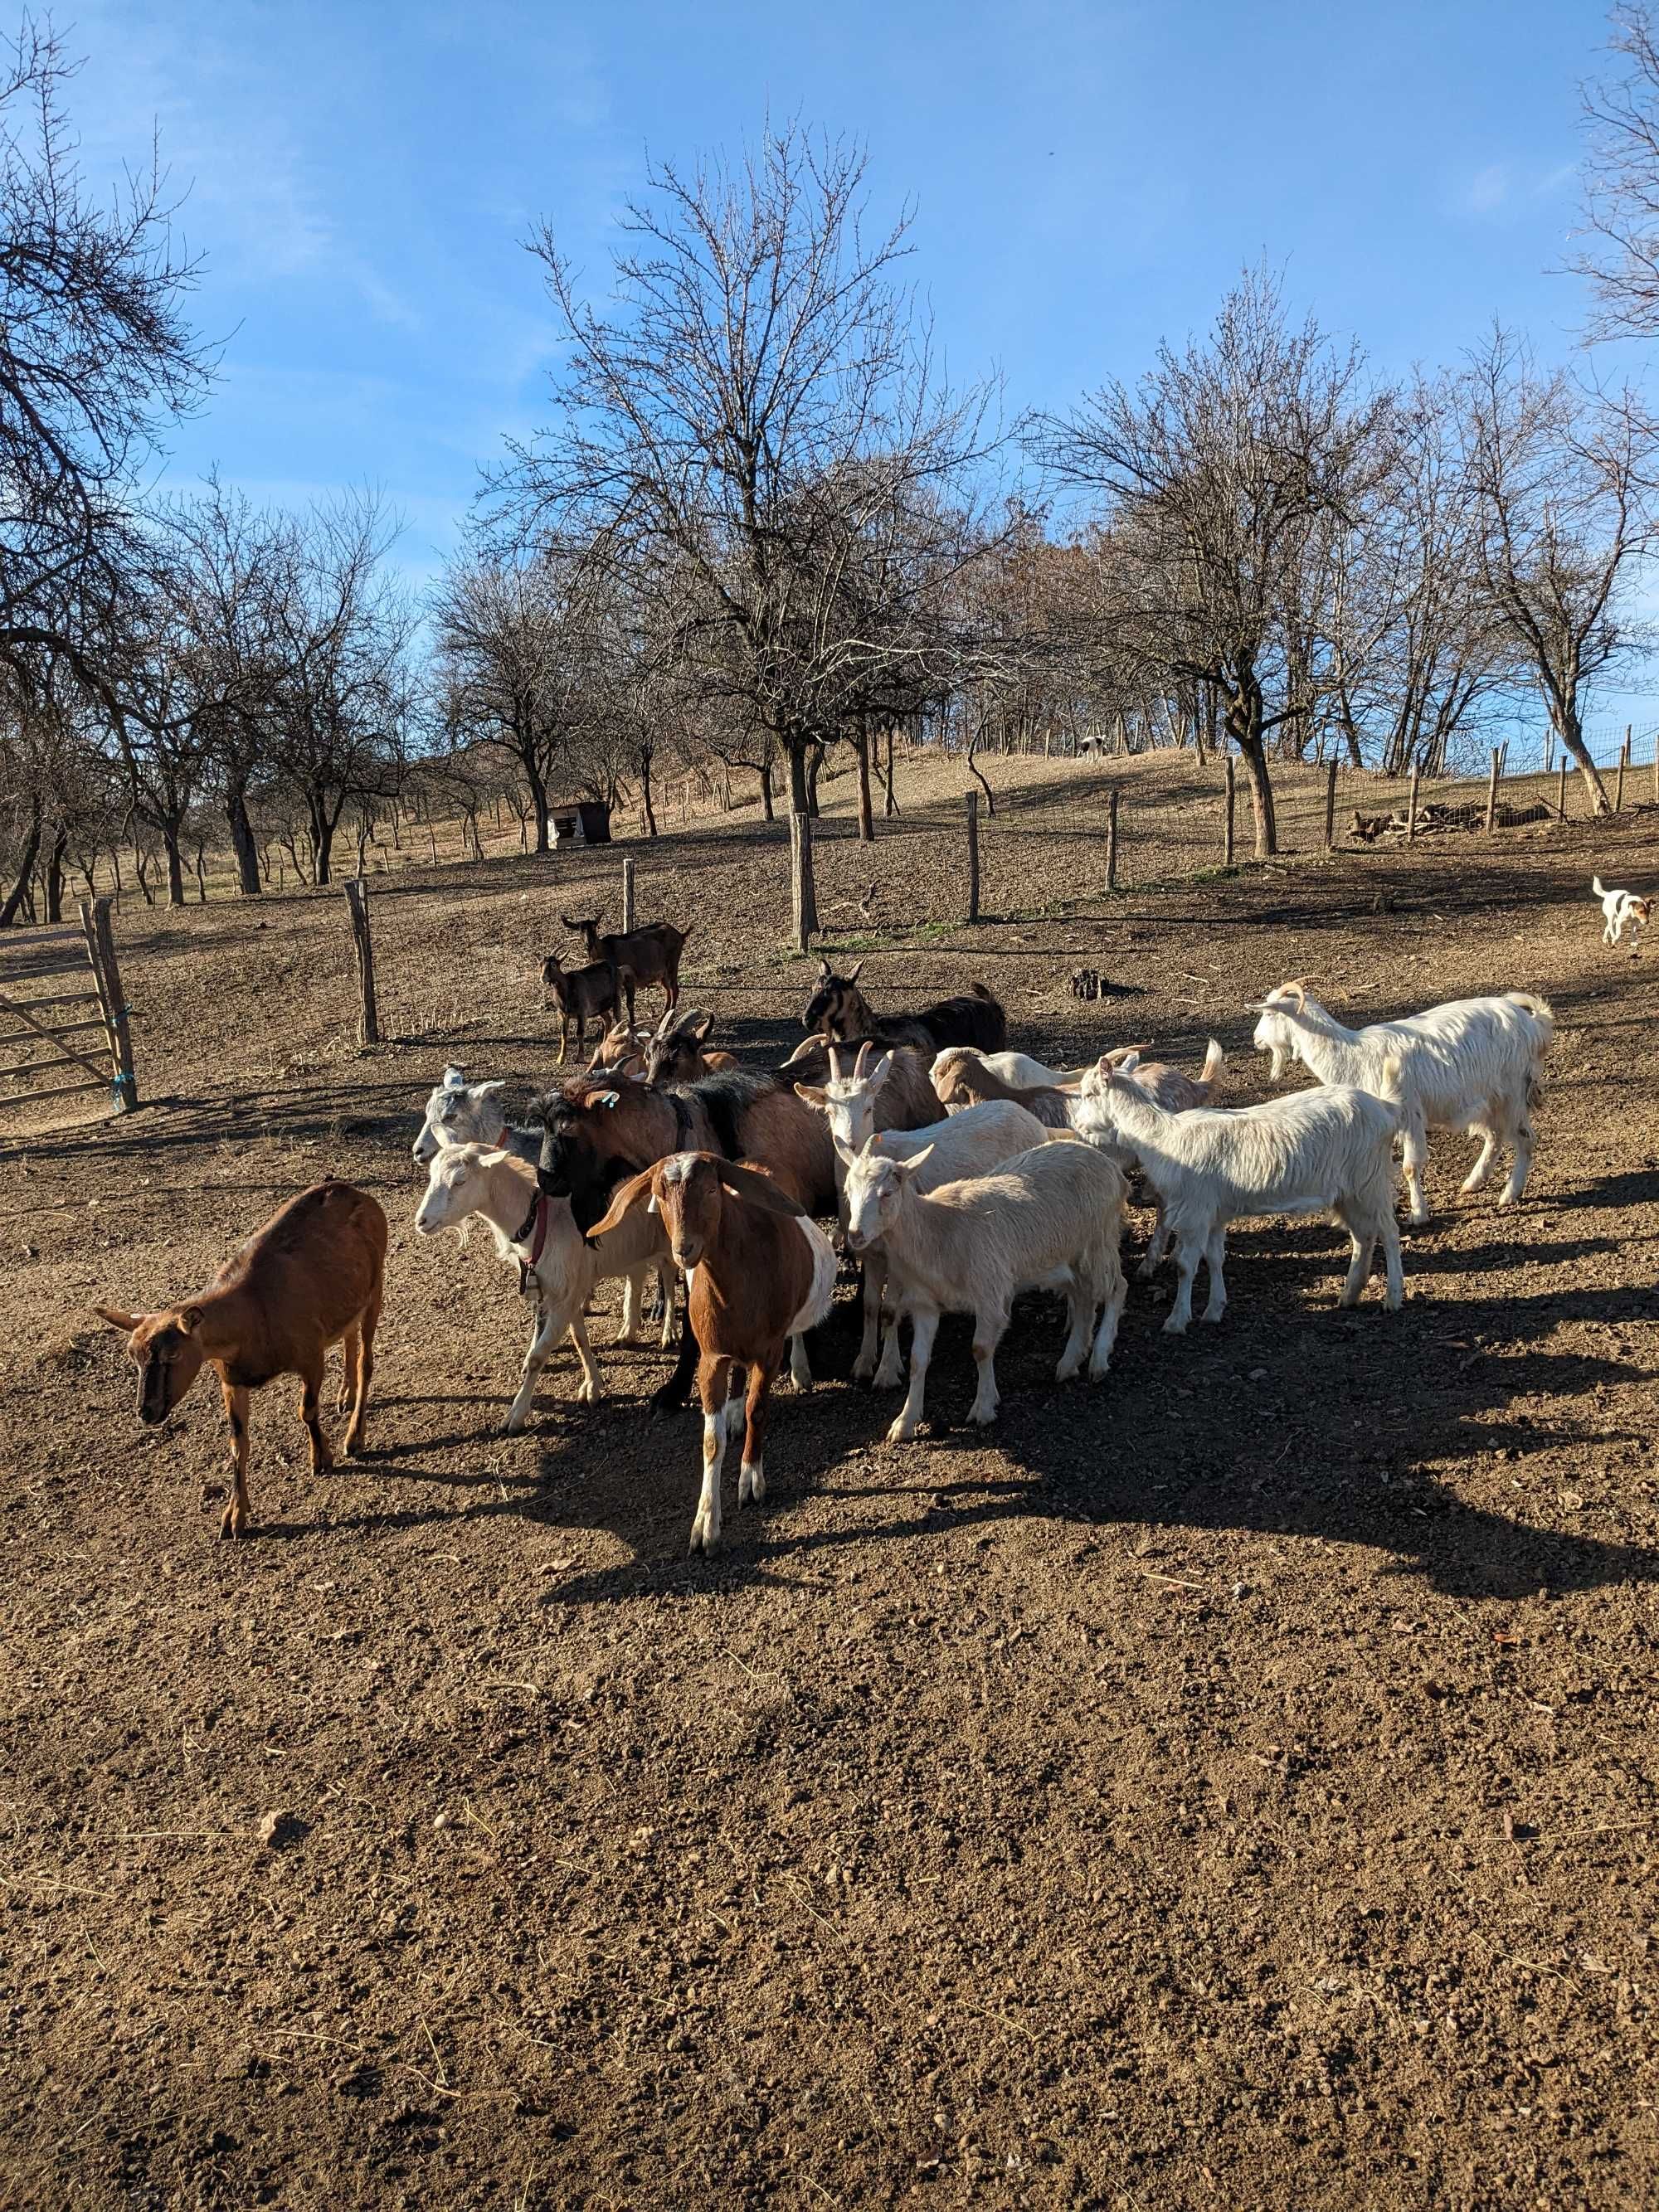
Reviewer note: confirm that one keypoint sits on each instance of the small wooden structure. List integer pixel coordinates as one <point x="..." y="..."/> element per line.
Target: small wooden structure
<point x="63" y="1013"/>
<point x="579" y="822"/>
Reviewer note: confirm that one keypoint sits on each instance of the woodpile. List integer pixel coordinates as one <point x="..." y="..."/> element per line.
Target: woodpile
<point x="1436" y="820"/>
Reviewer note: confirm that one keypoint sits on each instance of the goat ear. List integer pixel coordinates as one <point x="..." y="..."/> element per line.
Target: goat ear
<point x="758" y="1190"/>
<point x="845" y="1153"/>
<point x="811" y="1094"/>
<point x="190" y="1319"/>
<point x="491" y="1159"/>
<point x="489" y="1089"/>
<point x="454" y="1077"/>
<point x="112" y="1317"/>
<point x="905" y="1168"/>
<point x="626" y="1196"/>
<point x="854" y="973"/>
<point x="879" y="1073"/>
<point x="1127" y="1065"/>
<point x="825" y="970"/>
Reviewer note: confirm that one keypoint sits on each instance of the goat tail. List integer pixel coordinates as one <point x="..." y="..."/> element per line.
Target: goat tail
<point x="1542" y="1013"/>
<point x="1213" y="1057"/>
<point x="1389" y="1090"/>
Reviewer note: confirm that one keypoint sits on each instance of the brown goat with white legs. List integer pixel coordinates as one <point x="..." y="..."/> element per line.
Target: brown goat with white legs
<point x="312" y="1277"/>
<point x="757" y="1272"/>
<point x="650" y="954"/>
<point x="581" y="994"/>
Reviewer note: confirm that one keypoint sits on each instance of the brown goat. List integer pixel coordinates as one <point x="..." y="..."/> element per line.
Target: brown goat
<point x="651" y="954"/>
<point x="581" y="994"/>
<point x="960" y="1078"/>
<point x="757" y="1273"/>
<point x="312" y="1277"/>
<point x="678" y="1051"/>
<point x="621" y="1051"/>
<point x="838" y="1009"/>
<point x="1166" y="1086"/>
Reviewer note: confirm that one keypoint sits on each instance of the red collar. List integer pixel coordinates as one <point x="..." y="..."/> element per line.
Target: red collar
<point x="532" y="1231"/>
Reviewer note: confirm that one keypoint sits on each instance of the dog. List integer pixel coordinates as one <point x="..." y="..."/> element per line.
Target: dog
<point x="1617" y="908"/>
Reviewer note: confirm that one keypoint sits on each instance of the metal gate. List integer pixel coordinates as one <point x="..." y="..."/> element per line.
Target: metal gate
<point x="63" y="1014"/>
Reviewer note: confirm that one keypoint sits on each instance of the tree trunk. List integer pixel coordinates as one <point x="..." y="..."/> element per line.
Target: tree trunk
<point x="1569" y="728"/>
<point x="801" y="795"/>
<point x="766" y="790"/>
<point x="532" y="776"/>
<point x="1244" y="727"/>
<point x="866" y="812"/>
<point x="242" y="839"/>
<point x="647" y="809"/>
<point x="175" y="864"/>
<point x="322" y="846"/>
<point x="55" y="877"/>
<point x="889" y="804"/>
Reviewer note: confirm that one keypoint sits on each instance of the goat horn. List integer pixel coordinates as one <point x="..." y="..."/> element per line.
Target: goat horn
<point x="834" y="1066"/>
<point x="858" y="1064"/>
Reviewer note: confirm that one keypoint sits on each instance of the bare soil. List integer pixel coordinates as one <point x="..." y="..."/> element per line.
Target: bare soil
<point x="1236" y="1781"/>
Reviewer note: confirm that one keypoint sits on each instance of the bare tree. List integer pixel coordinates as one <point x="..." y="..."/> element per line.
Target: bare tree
<point x="1620" y="255"/>
<point x="1216" y="467"/>
<point x="94" y="357"/>
<point x="1561" y="473"/>
<point x="516" y="649"/>
<point x="761" y="352"/>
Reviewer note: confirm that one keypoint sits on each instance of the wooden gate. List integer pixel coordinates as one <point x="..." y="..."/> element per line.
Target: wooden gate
<point x="63" y="1013"/>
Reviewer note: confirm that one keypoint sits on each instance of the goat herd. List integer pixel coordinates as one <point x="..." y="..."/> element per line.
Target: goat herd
<point x="959" y="1174"/>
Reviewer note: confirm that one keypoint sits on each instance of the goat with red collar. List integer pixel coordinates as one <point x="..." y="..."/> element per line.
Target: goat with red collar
<point x="757" y="1272"/>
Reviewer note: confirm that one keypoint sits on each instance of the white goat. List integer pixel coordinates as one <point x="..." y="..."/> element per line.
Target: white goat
<point x="967" y="1145"/>
<point x="1621" y="910"/>
<point x="465" y="1180"/>
<point x="1019" y="1069"/>
<point x="1474" y="1065"/>
<point x="462" y="1113"/>
<point x="1050" y="1218"/>
<point x="1326" y="1149"/>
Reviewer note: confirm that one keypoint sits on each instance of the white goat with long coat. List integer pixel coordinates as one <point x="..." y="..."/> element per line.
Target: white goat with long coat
<point x="1324" y="1149"/>
<point x="1051" y="1218"/>
<point x="970" y="1143"/>
<point x="539" y="1235"/>
<point x="1473" y="1065"/>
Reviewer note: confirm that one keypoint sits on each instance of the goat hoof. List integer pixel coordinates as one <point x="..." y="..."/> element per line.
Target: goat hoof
<point x="230" y="1525"/>
<point x="900" y="1434"/>
<point x="1175" y="1326"/>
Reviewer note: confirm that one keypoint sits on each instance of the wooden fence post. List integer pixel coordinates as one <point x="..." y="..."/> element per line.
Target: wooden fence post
<point x="628" y="896"/>
<point x="1624" y="763"/>
<point x="1330" y="803"/>
<point x="1227" y="817"/>
<point x="803" y="898"/>
<point x="368" y="1024"/>
<point x="1561" y="803"/>
<point x="1491" y="791"/>
<point x="1111" y="838"/>
<point x="970" y="803"/>
<point x="1411" y="805"/>
<point x="100" y="954"/>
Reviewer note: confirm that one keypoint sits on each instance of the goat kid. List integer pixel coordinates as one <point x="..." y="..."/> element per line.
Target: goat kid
<point x="1050" y="1218"/>
<point x="581" y="994"/>
<point x="968" y="1143"/>
<point x="758" y="1275"/>
<point x="312" y="1277"/>
<point x="633" y="956"/>
<point x="1621" y="910"/>
<point x="1324" y="1149"/>
<point x="1474" y="1065"/>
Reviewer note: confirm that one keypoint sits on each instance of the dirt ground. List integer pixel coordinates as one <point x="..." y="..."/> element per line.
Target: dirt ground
<point x="1234" y="1782"/>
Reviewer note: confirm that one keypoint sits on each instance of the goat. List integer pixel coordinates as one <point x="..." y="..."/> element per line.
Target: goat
<point x="312" y="1277"/>
<point x="968" y="1144"/>
<point x="621" y="1051"/>
<point x="633" y="956"/>
<point x="597" y="1131"/>
<point x="906" y="1100"/>
<point x="1050" y="1216"/>
<point x="1474" y="1065"/>
<point x="459" y="1112"/>
<point x="962" y="1079"/>
<point x="539" y="1234"/>
<point x="757" y="1274"/>
<point x="678" y="1051"/>
<point x="1020" y="1069"/>
<point x="581" y="994"/>
<point x="838" y="1009"/>
<point x="1328" y="1148"/>
<point x="1620" y="910"/>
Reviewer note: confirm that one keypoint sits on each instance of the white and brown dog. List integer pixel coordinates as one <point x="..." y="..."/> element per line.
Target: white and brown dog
<point x="1619" y="909"/>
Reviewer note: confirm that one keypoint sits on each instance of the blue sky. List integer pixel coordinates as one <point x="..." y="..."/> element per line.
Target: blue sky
<point x="1086" y="179"/>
